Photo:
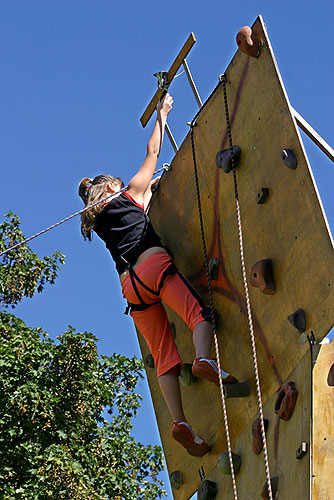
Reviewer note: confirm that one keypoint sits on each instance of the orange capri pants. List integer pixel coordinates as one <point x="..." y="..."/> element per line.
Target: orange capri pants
<point x="176" y="293"/>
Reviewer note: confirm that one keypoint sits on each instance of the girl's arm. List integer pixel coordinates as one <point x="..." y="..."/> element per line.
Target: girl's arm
<point x="140" y="182"/>
<point x="149" y="192"/>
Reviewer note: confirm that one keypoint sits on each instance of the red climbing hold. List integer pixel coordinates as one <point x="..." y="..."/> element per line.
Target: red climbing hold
<point x="286" y="401"/>
<point x="274" y="488"/>
<point x="257" y="435"/>
<point x="261" y="276"/>
<point x="330" y="378"/>
<point x="247" y="42"/>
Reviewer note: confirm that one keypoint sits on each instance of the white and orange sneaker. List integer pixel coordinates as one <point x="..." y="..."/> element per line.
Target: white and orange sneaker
<point x="208" y="369"/>
<point x="183" y="434"/>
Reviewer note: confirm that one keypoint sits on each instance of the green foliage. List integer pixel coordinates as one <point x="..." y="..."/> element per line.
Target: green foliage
<point x="54" y="441"/>
<point x="22" y="273"/>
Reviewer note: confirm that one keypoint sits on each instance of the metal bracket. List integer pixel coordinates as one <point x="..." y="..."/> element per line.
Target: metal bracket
<point x="201" y="473"/>
<point x="302" y="450"/>
<point x="162" y="77"/>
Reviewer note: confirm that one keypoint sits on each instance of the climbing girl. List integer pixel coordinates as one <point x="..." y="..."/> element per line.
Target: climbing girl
<point x="149" y="277"/>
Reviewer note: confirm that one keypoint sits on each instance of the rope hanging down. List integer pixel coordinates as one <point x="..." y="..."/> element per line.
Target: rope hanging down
<point x="244" y="275"/>
<point x="164" y="168"/>
<point x="213" y="314"/>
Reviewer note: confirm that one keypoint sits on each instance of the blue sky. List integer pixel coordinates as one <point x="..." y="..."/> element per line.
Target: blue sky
<point x="76" y="77"/>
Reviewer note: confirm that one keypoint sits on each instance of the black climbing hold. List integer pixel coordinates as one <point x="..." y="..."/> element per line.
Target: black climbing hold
<point x="207" y="490"/>
<point x="286" y="400"/>
<point x="274" y="489"/>
<point x="176" y="479"/>
<point x="223" y="463"/>
<point x="172" y="327"/>
<point x="289" y="158"/>
<point x="236" y="390"/>
<point x="149" y="361"/>
<point x="298" y="320"/>
<point x="261" y="276"/>
<point x="186" y="377"/>
<point x="302" y="450"/>
<point x="262" y="196"/>
<point x="224" y="158"/>
<point x="213" y="269"/>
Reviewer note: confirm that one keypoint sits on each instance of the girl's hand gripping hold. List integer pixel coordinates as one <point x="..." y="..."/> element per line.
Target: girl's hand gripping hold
<point x="141" y="181"/>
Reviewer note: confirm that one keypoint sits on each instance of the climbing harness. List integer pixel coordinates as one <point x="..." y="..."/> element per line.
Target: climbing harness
<point x="142" y="306"/>
<point x="192" y="124"/>
<point x="165" y="168"/>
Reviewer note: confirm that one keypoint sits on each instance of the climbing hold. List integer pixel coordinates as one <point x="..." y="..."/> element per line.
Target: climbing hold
<point x="262" y="196"/>
<point x="172" y="327"/>
<point x="302" y="450"/>
<point x="149" y="361"/>
<point x="261" y="276"/>
<point x="186" y="377"/>
<point x="247" y="42"/>
<point x="289" y="158"/>
<point x="207" y="490"/>
<point x="298" y="320"/>
<point x="274" y="489"/>
<point x="257" y="435"/>
<point x="236" y="390"/>
<point x="176" y="479"/>
<point x="224" y="158"/>
<point x="330" y="378"/>
<point x="223" y="463"/>
<point x="213" y="269"/>
<point x="286" y="401"/>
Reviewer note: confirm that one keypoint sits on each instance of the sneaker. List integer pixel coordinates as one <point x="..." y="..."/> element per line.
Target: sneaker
<point x="208" y="369"/>
<point x="183" y="434"/>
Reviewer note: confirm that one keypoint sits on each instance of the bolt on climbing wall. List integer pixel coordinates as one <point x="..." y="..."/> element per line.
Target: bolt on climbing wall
<point x="289" y="260"/>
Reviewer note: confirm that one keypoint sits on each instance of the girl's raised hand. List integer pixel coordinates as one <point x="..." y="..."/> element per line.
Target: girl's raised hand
<point x="165" y="105"/>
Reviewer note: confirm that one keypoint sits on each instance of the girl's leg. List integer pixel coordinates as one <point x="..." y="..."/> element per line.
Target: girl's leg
<point x="180" y="296"/>
<point x="202" y="338"/>
<point x="170" y="388"/>
<point x="154" y="326"/>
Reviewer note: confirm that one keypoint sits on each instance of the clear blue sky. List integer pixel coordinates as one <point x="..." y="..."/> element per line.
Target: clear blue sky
<point x="76" y="77"/>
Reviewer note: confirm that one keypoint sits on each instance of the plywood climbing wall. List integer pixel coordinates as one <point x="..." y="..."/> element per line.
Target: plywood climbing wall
<point x="290" y="228"/>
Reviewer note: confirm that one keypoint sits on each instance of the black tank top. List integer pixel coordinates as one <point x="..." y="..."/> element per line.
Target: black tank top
<point x="126" y="230"/>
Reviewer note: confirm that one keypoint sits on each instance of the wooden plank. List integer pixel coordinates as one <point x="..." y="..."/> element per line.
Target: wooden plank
<point x="171" y="73"/>
<point x="290" y="228"/>
<point x="283" y="440"/>
<point x="313" y="135"/>
<point x="323" y="425"/>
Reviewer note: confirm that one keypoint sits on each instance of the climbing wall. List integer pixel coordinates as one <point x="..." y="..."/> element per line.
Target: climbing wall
<point x="288" y="228"/>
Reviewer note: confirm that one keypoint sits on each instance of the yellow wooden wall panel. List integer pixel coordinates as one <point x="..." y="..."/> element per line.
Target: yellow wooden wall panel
<point x="289" y="228"/>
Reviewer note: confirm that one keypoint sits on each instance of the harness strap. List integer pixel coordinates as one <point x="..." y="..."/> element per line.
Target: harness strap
<point x="171" y="269"/>
<point x="138" y="307"/>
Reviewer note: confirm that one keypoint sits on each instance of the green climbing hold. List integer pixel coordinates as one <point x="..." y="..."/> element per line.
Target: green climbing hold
<point x="149" y="361"/>
<point x="223" y="463"/>
<point x="186" y="377"/>
<point x="176" y="479"/>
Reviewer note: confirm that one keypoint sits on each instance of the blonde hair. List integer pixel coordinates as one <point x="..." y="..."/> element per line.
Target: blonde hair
<point x="91" y="191"/>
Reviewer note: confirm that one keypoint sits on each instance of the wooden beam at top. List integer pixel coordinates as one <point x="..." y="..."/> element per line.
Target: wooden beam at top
<point x="171" y="73"/>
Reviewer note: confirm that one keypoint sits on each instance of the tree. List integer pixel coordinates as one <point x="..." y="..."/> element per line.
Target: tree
<point x="21" y="271"/>
<point x="55" y="439"/>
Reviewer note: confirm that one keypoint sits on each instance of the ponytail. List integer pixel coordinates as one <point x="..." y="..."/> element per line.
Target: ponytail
<point x="91" y="191"/>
